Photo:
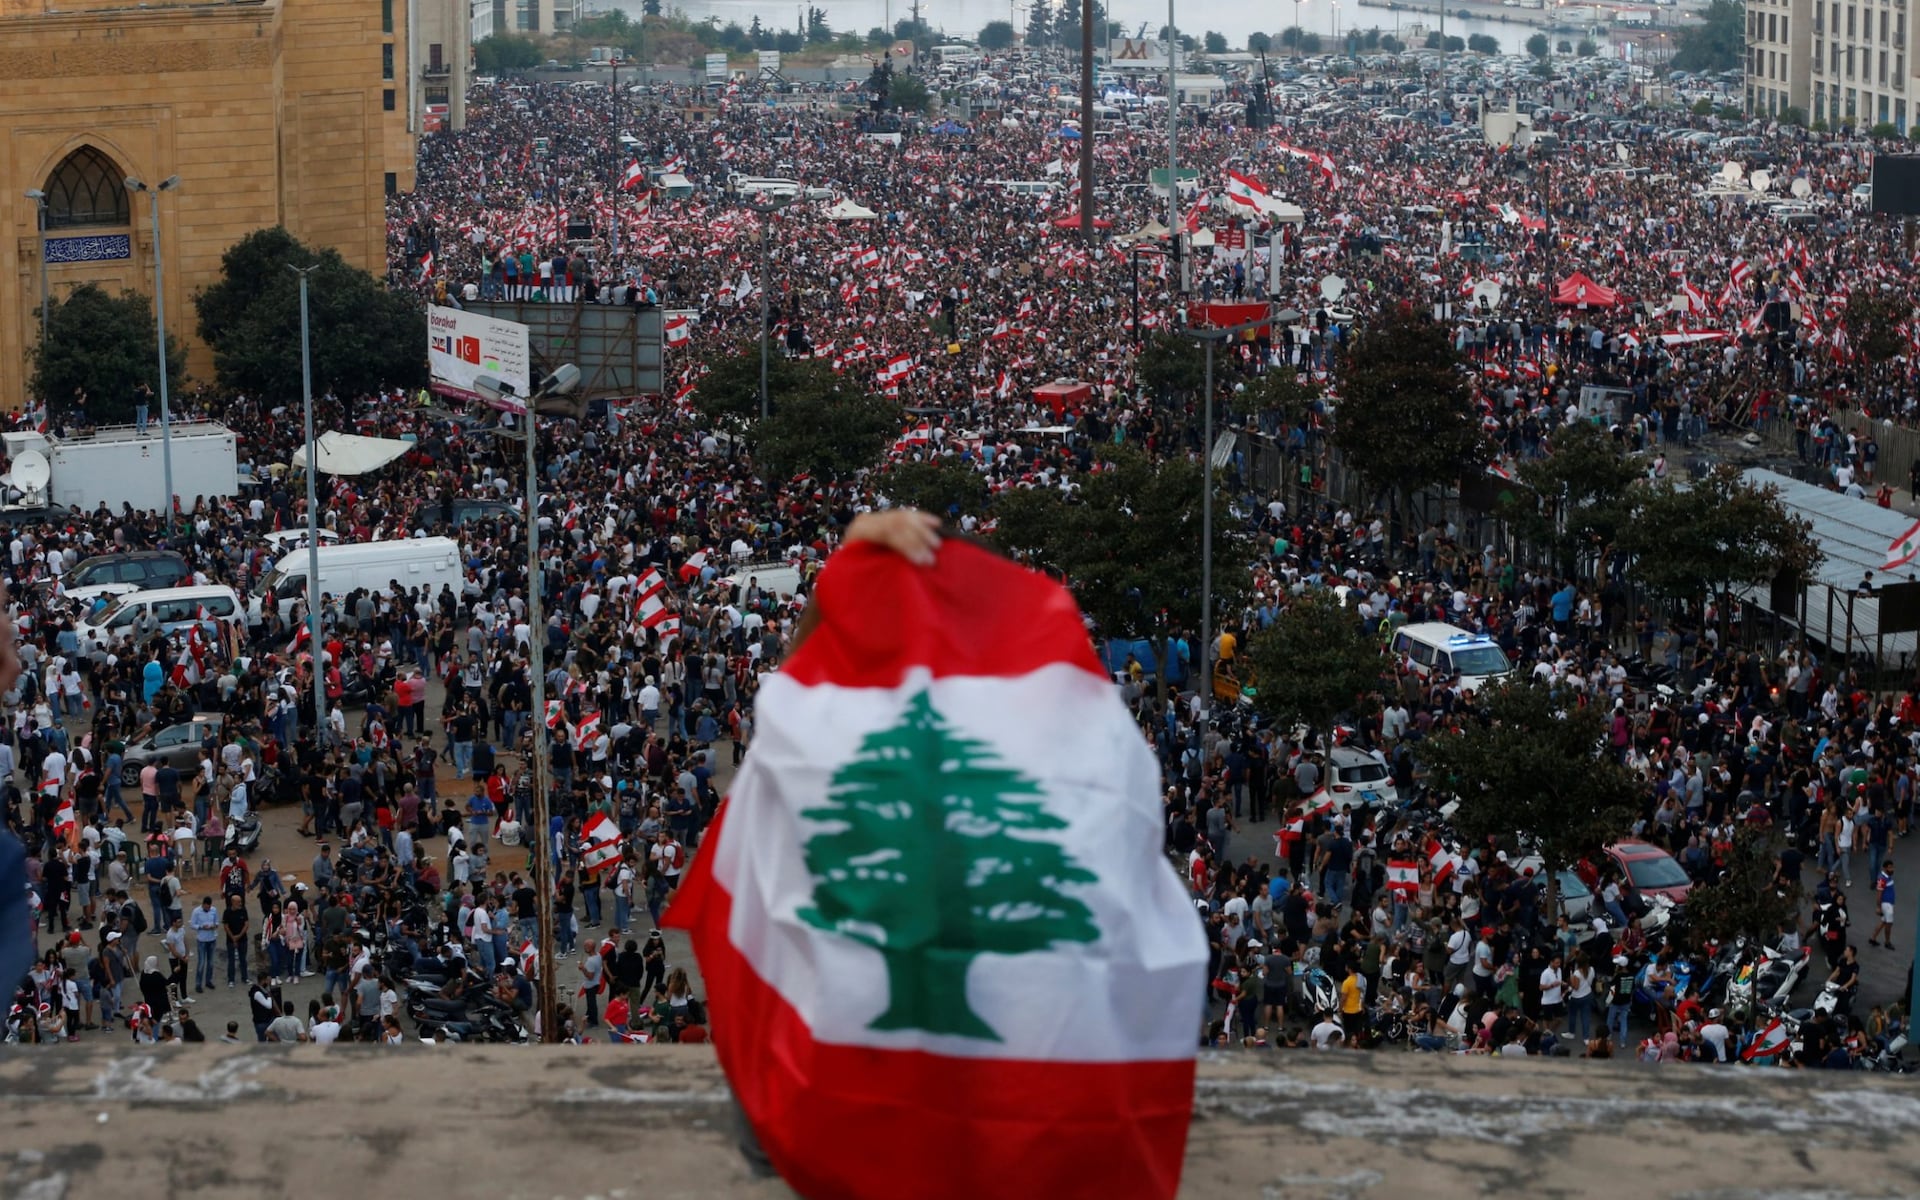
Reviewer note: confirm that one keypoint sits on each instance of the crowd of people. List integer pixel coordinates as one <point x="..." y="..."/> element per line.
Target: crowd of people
<point x="658" y="620"/>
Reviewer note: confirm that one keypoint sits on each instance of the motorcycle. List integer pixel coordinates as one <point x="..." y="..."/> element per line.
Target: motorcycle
<point x="243" y="835"/>
<point x="1887" y="1058"/>
<point x="1314" y="991"/>
<point x="1780" y="971"/>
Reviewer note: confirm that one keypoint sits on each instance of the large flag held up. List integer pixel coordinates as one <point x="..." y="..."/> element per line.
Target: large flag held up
<point x="945" y="837"/>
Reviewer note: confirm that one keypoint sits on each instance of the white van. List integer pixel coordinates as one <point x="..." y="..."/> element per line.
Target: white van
<point x="1435" y="648"/>
<point x="170" y="609"/>
<point x="376" y="566"/>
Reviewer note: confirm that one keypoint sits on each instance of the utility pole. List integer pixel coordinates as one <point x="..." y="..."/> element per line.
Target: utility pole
<point x="1086" y="122"/>
<point x="549" y="878"/>
<point x="160" y="323"/>
<point x="766" y="210"/>
<point x="1173" y="148"/>
<point x="315" y="646"/>
<point x="39" y="199"/>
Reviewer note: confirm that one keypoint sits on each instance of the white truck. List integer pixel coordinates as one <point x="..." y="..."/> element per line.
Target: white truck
<point x="412" y="563"/>
<point x="120" y="465"/>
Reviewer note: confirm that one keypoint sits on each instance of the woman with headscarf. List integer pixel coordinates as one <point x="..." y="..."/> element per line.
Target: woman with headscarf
<point x="153" y="988"/>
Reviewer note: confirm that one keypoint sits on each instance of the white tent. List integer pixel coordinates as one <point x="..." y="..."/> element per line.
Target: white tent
<point x="850" y="210"/>
<point x="351" y="454"/>
<point x="1284" y="213"/>
<point x="1152" y="231"/>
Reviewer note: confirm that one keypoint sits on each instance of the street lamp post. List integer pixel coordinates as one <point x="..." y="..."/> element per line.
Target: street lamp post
<point x="39" y="199"/>
<point x="160" y="323"/>
<point x="314" y="643"/>
<point x="1210" y="338"/>
<point x="766" y="209"/>
<point x="563" y="381"/>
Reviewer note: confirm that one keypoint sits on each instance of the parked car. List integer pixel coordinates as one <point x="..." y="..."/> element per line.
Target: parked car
<point x="178" y="744"/>
<point x="118" y="574"/>
<point x="1652" y="870"/>
<point x="1355" y="777"/>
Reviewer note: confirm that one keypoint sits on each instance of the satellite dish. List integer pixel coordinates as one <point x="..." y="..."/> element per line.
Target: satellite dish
<point x="31" y="473"/>
<point x="1760" y="181"/>
<point x="1801" y="189"/>
<point x="1486" y="296"/>
<point x="1332" y="288"/>
<point x="1730" y="171"/>
<point x="1621" y="152"/>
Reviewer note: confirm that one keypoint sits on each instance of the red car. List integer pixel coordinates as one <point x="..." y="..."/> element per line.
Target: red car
<point x="1653" y="871"/>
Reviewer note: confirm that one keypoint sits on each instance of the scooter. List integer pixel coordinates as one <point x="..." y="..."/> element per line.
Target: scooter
<point x="1314" y="991"/>
<point x="1887" y="1059"/>
<point x="244" y="835"/>
<point x="1780" y="971"/>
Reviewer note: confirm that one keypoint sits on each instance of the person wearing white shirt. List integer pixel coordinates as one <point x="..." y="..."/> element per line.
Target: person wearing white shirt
<point x="1552" y="995"/>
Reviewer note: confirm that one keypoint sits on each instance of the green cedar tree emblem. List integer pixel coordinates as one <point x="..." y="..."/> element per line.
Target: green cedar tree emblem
<point x="929" y="856"/>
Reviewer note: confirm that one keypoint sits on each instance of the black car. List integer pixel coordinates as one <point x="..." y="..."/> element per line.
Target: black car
<point x="142" y="569"/>
<point x="26" y="516"/>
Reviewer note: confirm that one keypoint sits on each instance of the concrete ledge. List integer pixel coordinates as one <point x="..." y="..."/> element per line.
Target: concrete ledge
<point x="216" y="1122"/>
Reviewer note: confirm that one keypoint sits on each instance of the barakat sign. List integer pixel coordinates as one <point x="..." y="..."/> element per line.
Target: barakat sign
<point x="462" y="346"/>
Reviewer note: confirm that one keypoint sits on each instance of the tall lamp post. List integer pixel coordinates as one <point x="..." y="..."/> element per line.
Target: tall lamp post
<point x="314" y="643"/>
<point x="766" y="209"/>
<point x="160" y="322"/>
<point x="1210" y="338"/>
<point x="563" y="381"/>
<point x="39" y="199"/>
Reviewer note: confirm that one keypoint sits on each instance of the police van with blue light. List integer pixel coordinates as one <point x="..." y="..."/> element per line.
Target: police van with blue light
<point x="1434" y="648"/>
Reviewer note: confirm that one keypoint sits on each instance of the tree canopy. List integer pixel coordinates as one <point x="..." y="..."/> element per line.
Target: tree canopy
<point x="1744" y="898"/>
<point x="1712" y="534"/>
<point x="821" y="424"/>
<point x="1405" y="419"/>
<point x="1129" y="543"/>
<point x="946" y="486"/>
<point x="997" y="35"/>
<point x="363" y="337"/>
<point x="1577" y="498"/>
<point x="1530" y="764"/>
<point x="102" y="345"/>
<point x="1314" y="664"/>
<point x="504" y="53"/>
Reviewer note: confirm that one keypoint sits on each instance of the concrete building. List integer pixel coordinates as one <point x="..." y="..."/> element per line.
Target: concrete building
<point x="534" y="16"/>
<point x="288" y="112"/>
<point x="1842" y="62"/>
<point x="1779" y="55"/>
<point x="443" y="59"/>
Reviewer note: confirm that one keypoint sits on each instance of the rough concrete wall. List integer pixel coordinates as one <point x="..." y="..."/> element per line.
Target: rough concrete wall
<point x="216" y="1122"/>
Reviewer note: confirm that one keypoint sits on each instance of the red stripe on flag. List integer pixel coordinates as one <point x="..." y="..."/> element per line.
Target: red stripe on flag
<point x="852" y="1122"/>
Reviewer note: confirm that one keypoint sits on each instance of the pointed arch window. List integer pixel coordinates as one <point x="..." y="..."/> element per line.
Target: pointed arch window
<point x="86" y="189"/>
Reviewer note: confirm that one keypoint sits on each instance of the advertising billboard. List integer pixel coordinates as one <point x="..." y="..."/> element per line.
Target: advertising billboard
<point x="462" y="346"/>
<point x="1137" y="54"/>
<point x="717" y="68"/>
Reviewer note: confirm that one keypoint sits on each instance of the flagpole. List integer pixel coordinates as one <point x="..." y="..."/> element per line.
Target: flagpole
<point x="547" y="873"/>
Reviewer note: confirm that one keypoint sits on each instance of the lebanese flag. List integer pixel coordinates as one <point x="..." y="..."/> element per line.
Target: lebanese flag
<point x="651" y="610"/>
<point x="64" y="823"/>
<point x="1190" y="223"/>
<point x="677" y="331"/>
<point x="556" y="714"/>
<point x="1772" y="1042"/>
<point x="586" y="731"/>
<point x="945" y="838"/>
<point x="599" y="843"/>
<point x="668" y="629"/>
<point x="690" y="570"/>
<point x="1904" y="549"/>
<point x="648" y="584"/>
<point x="1403" y="877"/>
<point x="1248" y="193"/>
<point x="1440" y="861"/>
<point x="301" y="637"/>
<point x="632" y="178"/>
<point x="1739" y="273"/>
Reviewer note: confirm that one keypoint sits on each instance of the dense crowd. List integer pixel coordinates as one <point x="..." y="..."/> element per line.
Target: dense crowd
<point x="661" y="553"/>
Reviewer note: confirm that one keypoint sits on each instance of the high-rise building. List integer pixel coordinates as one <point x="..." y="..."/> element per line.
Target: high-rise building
<point x="1779" y="55"/>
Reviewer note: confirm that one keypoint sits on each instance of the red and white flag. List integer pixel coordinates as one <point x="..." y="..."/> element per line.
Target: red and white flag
<point x="896" y="369"/>
<point x="678" y="331"/>
<point x="556" y="714"/>
<point x="1248" y="193"/>
<point x="937" y="846"/>
<point x="633" y="178"/>
<point x="586" y="731"/>
<point x="1440" y="860"/>
<point x="1740" y="273"/>
<point x="64" y="822"/>
<point x="599" y="843"/>
<point x="1403" y="877"/>
<point x="1771" y="1042"/>
<point x="649" y="583"/>
<point x="1904" y="550"/>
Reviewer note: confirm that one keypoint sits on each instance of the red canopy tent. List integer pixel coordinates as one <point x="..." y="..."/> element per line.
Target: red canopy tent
<point x="1063" y="394"/>
<point x="1072" y="221"/>
<point x="1578" y="291"/>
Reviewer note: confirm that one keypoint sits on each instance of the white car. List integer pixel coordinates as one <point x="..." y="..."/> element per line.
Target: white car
<point x="1357" y="779"/>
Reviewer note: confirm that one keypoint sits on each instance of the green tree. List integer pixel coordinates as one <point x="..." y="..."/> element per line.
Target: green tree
<point x="877" y="36"/>
<point x="788" y="42"/>
<point x="1577" y="497"/>
<point x="101" y="345"/>
<point x="1128" y="542"/>
<point x="935" y="853"/>
<point x="1715" y="533"/>
<point x="1040" y="23"/>
<point x="1717" y="42"/>
<point x="827" y="432"/>
<point x="1215" y="43"/>
<point x="1587" y="48"/>
<point x="1406" y="419"/>
<point x="1172" y="367"/>
<point x="1481" y="43"/>
<point x="1291" y="35"/>
<point x="908" y="93"/>
<point x="1538" y="46"/>
<point x="1529" y="763"/>
<point x="1309" y="43"/>
<point x="1314" y="664"/>
<point x="1745" y="899"/>
<point x="997" y="35"/>
<point x="946" y="486"/>
<point x="505" y="53"/>
<point x="364" y="337"/>
<point x="819" y="33"/>
<point x="1703" y="107"/>
<point x="1279" y="392"/>
<point x="650" y="8"/>
<point x="1795" y="115"/>
<point x="1259" y="43"/>
<point x="1563" y="46"/>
